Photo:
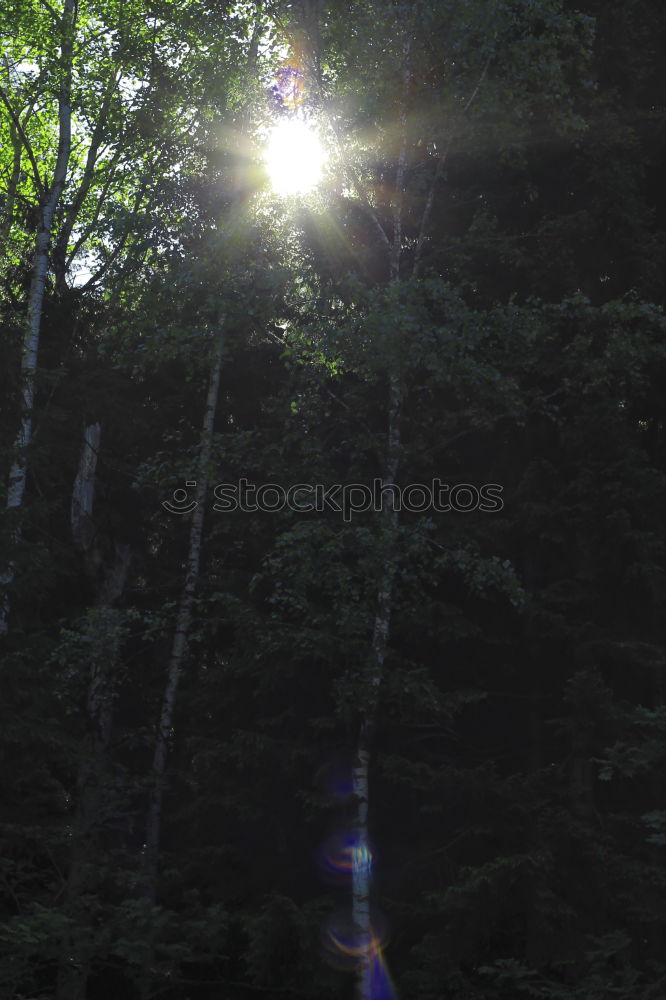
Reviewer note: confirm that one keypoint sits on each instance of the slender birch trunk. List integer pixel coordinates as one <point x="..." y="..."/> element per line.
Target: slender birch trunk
<point x="361" y="913"/>
<point x="158" y="778"/>
<point x="180" y="640"/>
<point x="49" y="200"/>
<point x="361" y="868"/>
<point x="104" y="628"/>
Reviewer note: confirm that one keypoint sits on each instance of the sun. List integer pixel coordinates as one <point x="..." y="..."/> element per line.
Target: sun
<point x="294" y="157"/>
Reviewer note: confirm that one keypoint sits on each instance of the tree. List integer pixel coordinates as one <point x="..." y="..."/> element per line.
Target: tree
<point x="49" y="195"/>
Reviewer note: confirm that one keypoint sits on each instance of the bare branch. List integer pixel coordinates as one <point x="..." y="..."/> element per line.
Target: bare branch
<point x="481" y="78"/>
<point x="60" y="249"/>
<point x="400" y="172"/>
<point x="101" y="271"/>
<point x="24" y="139"/>
<point x="120" y="246"/>
<point x="348" y="167"/>
<point x="52" y="12"/>
<point x="358" y="187"/>
<point x="12" y="186"/>
<point x="428" y="209"/>
<point x="90" y="228"/>
<point x="441" y="164"/>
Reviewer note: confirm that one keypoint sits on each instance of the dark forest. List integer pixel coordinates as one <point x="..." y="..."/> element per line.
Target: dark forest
<point x="333" y="540"/>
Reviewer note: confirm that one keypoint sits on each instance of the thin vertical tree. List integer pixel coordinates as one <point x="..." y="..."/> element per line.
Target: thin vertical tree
<point x="49" y="195"/>
<point x="361" y="870"/>
<point x="183" y="622"/>
<point x="179" y="649"/>
<point x="365" y="934"/>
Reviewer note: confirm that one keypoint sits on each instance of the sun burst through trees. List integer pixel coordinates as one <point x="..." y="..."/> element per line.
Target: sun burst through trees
<point x="294" y="157"/>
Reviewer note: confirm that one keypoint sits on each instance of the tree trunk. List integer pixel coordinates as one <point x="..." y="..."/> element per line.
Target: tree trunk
<point x="178" y="652"/>
<point x="368" y="965"/>
<point x="49" y="200"/>
<point x="179" y="647"/>
<point x="361" y="868"/>
<point x="180" y="641"/>
<point x="362" y="861"/>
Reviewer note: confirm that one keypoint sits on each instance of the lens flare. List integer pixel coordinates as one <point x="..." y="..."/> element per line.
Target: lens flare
<point x="344" y="950"/>
<point x="294" y="157"/>
<point x="379" y="982"/>
<point x="344" y="947"/>
<point x="288" y="86"/>
<point x="353" y="939"/>
<point x="342" y="855"/>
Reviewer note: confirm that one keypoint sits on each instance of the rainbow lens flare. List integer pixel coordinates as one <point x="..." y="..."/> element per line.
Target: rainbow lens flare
<point x="344" y="949"/>
<point x="287" y="88"/>
<point x="342" y="855"/>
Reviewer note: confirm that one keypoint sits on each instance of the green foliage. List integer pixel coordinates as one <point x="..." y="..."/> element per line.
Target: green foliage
<point x="516" y="802"/>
